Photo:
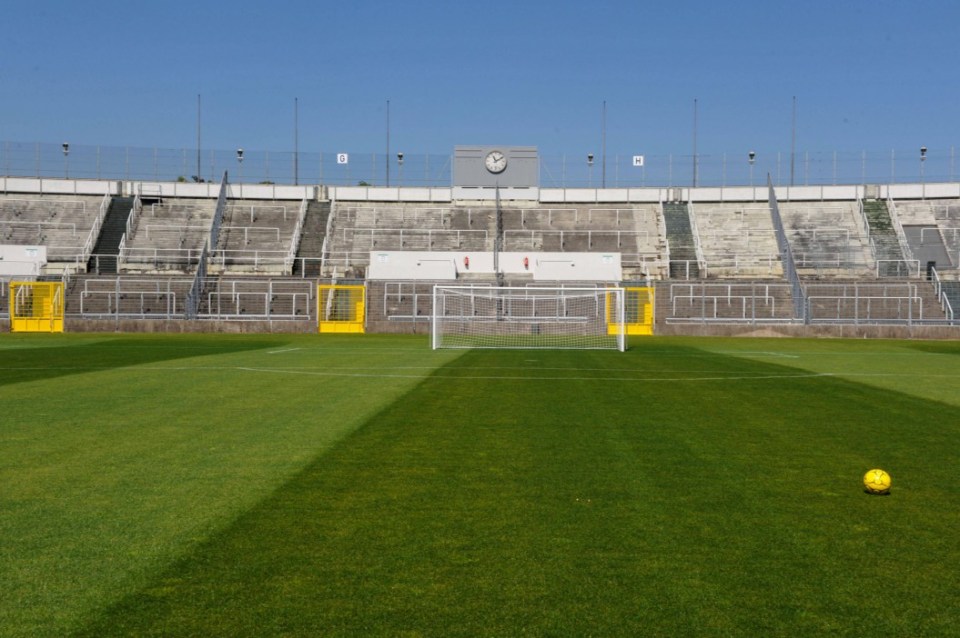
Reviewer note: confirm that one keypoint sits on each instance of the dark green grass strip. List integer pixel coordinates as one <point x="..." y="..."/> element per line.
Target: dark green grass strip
<point x="110" y="473"/>
<point x="34" y="358"/>
<point x="512" y="506"/>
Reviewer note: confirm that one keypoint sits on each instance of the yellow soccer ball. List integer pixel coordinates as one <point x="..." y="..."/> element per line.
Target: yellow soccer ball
<point x="877" y="482"/>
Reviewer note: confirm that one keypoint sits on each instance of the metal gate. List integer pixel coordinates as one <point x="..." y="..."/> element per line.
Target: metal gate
<point x="639" y="311"/>
<point x="36" y="306"/>
<point x="341" y="308"/>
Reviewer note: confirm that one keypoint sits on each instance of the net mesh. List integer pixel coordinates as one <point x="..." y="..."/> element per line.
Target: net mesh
<point x="576" y="318"/>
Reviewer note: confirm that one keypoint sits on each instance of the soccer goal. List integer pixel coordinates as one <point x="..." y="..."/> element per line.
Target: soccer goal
<point x="503" y="317"/>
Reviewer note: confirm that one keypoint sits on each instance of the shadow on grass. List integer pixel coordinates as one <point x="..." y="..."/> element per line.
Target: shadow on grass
<point x="935" y="347"/>
<point x="532" y="503"/>
<point x="20" y="364"/>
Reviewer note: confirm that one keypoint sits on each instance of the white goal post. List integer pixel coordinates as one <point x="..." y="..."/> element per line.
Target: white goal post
<point x="527" y="318"/>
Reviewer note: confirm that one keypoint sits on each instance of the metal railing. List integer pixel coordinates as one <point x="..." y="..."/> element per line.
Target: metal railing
<point x="158" y="258"/>
<point x="786" y="257"/>
<point x="746" y="302"/>
<point x="898" y="228"/>
<point x="133" y="221"/>
<point x="4" y="306"/>
<point x="39" y="226"/>
<point x="902" y="268"/>
<point x="297" y="234"/>
<point x="422" y="237"/>
<point x="615" y="238"/>
<point x="867" y="304"/>
<point x="218" y="213"/>
<point x="557" y="170"/>
<point x="942" y="297"/>
<point x="193" y="297"/>
<point x="695" y="231"/>
<point x="95" y="230"/>
<point x="752" y="265"/>
<point x="275" y="261"/>
<point x="165" y="298"/>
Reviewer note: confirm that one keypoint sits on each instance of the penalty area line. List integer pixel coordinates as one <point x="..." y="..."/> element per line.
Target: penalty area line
<point x="471" y="377"/>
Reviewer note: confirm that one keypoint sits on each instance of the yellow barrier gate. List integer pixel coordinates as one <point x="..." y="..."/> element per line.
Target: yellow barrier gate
<point x="341" y="308"/>
<point x="639" y="311"/>
<point x="36" y="306"/>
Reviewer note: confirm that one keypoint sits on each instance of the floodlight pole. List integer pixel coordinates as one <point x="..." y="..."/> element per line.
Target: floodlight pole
<point x="603" y="144"/>
<point x="923" y="178"/>
<point x="296" y="143"/>
<point x="793" y="139"/>
<point x="695" y="158"/>
<point x="240" y="170"/>
<point x="387" y="156"/>
<point x="198" y="139"/>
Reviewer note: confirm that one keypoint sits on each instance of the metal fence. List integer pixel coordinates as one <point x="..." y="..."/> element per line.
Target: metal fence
<point x="747" y="302"/>
<point x="873" y="304"/>
<point x="852" y="303"/>
<point x="571" y="170"/>
<point x="210" y="299"/>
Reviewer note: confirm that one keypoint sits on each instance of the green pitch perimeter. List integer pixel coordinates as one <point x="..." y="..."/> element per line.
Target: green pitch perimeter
<point x="366" y="485"/>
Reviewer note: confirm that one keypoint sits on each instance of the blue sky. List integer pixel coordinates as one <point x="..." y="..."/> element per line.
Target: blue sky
<point x="867" y="75"/>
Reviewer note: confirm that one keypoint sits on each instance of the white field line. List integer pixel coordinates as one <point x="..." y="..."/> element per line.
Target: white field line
<point x="341" y="373"/>
<point x="478" y="377"/>
<point x="783" y="355"/>
<point x="532" y="372"/>
<point x="836" y="353"/>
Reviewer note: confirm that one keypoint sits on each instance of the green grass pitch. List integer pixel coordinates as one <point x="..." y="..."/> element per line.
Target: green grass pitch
<point x="196" y="485"/>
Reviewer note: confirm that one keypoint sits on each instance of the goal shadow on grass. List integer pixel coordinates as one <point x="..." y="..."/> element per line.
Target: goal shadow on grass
<point x="512" y="492"/>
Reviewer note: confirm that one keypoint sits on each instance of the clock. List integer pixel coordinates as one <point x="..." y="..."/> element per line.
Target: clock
<point x="495" y="161"/>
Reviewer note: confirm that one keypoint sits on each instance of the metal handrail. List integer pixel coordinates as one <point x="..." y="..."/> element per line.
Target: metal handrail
<point x="325" y="247"/>
<point x="97" y="225"/>
<point x="133" y="218"/>
<point x="218" y="213"/>
<point x="297" y="234"/>
<point x="898" y="228"/>
<point x="695" y="231"/>
<point x="945" y="304"/>
<point x="786" y="254"/>
<point x="192" y="304"/>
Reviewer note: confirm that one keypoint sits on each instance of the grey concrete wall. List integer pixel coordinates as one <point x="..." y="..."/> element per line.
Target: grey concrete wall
<point x="183" y="325"/>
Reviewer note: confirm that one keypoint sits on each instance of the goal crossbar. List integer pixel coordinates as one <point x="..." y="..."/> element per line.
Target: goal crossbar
<point x="528" y="317"/>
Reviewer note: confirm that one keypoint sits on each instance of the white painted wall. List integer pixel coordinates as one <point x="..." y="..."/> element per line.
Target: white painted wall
<point x="452" y="265"/>
<point x="212" y="190"/>
<point x="22" y="261"/>
<point x="58" y="186"/>
<point x="844" y="192"/>
<point x="384" y="194"/>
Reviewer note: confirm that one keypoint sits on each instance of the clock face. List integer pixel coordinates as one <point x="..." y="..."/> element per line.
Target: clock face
<point x="495" y="161"/>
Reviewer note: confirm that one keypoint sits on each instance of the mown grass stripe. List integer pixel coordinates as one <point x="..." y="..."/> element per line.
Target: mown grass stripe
<point x="110" y="474"/>
<point x="582" y="507"/>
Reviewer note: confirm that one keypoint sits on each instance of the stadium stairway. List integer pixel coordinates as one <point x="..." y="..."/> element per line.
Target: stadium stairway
<point x="310" y="250"/>
<point x="889" y="254"/>
<point x="683" y="252"/>
<point x="926" y="243"/>
<point x="951" y="290"/>
<point x="104" y="258"/>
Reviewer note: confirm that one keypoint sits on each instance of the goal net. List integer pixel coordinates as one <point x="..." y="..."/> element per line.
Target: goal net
<point x="502" y="317"/>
